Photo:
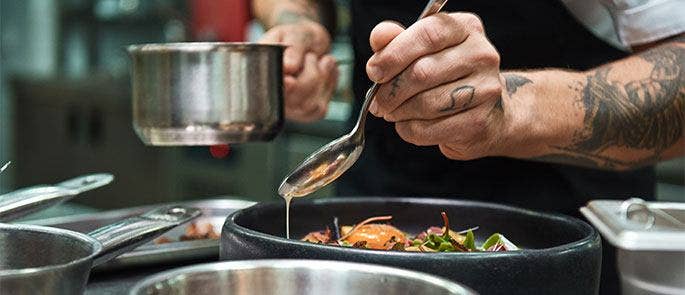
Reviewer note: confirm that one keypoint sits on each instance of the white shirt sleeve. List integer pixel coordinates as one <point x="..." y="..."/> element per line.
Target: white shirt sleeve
<point x="643" y="21"/>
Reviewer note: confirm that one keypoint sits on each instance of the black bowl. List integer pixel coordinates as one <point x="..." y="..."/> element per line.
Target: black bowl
<point x="561" y="255"/>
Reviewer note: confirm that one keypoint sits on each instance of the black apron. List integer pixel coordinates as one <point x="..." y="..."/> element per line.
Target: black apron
<point x="528" y="34"/>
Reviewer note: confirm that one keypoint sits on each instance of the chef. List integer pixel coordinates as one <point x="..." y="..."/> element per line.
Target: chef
<point x="517" y="102"/>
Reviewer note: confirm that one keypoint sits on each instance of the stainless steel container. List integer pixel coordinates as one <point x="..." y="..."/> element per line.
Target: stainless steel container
<point x="650" y="238"/>
<point x="297" y="277"/>
<point x="206" y="93"/>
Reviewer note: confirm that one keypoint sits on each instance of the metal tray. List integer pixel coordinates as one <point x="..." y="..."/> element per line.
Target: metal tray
<point x="650" y="237"/>
<point x="637" y="225"/>
<point x="214" y="211"/>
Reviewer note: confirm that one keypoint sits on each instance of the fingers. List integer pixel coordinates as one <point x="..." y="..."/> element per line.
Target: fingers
<point x="433" y="70"/>
<point x="307" y="95"/>
<point x="299" y="38"/>
<point x="467" y="127"/>
<point x="306" y="82"/>
<point x="383" y="33"/>
<point x="329" y="70"/>
<point x="448" y="99"/>
<point x="426" y="36"/>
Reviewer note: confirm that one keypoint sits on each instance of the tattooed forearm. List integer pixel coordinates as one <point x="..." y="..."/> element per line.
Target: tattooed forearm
<point x="643" y="117"/>
<point x="514" y="81"/>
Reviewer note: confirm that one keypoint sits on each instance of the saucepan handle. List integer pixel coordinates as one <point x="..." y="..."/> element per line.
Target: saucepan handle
<point x="24" y="201"/>
<point x="130" y="233"/>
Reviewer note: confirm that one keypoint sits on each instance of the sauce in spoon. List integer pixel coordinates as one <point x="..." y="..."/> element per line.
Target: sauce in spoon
<point x="315" y="180"/>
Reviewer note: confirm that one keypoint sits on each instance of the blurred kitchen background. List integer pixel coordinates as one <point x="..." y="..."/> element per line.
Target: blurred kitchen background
<point x="65" y="104"/>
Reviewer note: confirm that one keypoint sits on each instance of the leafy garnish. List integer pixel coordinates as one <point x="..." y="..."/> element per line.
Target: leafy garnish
<point x="446" y="231"/>
<point x="491" y="241"/>
<point x="470" y="241"/>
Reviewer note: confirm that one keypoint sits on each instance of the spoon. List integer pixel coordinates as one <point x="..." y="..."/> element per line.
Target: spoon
<point x="332" y="160"/>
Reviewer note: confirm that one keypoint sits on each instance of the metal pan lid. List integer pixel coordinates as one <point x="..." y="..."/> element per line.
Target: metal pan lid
<point x="635" y="224"/>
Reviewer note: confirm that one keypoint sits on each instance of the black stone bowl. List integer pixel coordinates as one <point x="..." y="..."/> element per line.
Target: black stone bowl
<point x="561" y="255"/>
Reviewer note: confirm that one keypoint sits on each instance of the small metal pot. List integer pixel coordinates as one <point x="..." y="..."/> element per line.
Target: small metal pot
<point x="297" y="277"/>
<point x="206" y="93"/>
<point x="46" y="260"/>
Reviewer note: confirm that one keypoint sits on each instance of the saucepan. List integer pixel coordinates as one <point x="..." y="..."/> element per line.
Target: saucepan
<point x="28" y="200"/>
<point x="560" y="254"/>
<point x="45" y="260"/>
<point x="296" y="277"/>
<point x="200" y="93"/>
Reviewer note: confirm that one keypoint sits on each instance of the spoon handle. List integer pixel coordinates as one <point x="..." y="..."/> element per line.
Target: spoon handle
<point x="431" y="8"/>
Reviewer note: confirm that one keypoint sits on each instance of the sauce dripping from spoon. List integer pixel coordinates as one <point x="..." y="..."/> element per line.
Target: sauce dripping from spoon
<point x="287" y="198"/>
<point x="315" y="180"/>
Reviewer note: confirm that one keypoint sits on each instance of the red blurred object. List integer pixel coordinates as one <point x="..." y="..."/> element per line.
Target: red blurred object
<point x="220" y="151"/>
<point x="220" y="20"/>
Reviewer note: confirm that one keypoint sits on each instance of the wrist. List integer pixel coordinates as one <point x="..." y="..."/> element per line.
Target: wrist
<point x="321" y="13"/>
<point x="542" y="110"/>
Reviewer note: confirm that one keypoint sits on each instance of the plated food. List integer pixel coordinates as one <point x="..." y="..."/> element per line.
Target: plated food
<point x="194" y="231"/>
<point x="369" y="234"/>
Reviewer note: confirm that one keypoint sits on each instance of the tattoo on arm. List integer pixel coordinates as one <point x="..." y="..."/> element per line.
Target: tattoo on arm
<point x="513" y="82"/>
<point x="461" y="93"/>
<point x="645" y="115"/>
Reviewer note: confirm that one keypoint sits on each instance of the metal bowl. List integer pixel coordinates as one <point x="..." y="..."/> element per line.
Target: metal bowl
<point x="297" y="277"/>
<point x="206" y="93"/>
<point x="561" y="254"/>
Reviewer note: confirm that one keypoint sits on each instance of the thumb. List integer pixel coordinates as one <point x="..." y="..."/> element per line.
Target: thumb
<point x="383" y="33"/>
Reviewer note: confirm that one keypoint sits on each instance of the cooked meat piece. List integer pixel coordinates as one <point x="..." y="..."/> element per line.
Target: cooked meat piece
<point x="376" y="236"/>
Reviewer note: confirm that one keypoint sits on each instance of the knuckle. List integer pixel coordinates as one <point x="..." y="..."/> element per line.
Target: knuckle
<point x="431" y="33"/>
<point x="492" y="89"/>
<point x="450" y="152"/>
<point x="421" y="70"/>
<point x="409" y="131"/>
<point x="469" y="155"/>
<point x="462" y="153"/>
<point x="472" y="22"/>
<point x="487" y="57"/>
<point x="388" y="58"/>
<point x="403" y="131"/>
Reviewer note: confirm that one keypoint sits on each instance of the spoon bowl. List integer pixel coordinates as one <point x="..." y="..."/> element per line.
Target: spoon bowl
<point x="323" y="166"/>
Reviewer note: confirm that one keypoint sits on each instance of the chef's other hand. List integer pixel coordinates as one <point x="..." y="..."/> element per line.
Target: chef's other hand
<point x="310" y="74"/>
<point x="441" y="84"/>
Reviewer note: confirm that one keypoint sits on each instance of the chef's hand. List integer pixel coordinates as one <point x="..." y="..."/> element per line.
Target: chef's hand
<point x="442" y="84"/>
<point x="310" y="74"/>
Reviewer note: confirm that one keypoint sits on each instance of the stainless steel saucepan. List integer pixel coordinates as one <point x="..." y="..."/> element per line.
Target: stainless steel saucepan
<point x="199" y="93"/>
<point x="296" y="277"/>
<point x="28" y="200"/>
<point x="45" y="260"/>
